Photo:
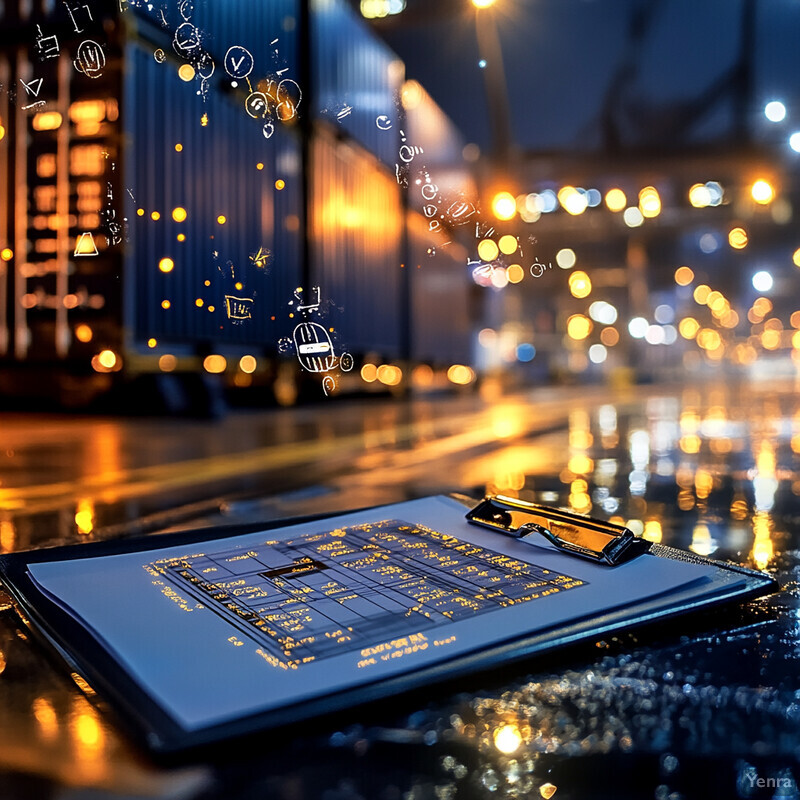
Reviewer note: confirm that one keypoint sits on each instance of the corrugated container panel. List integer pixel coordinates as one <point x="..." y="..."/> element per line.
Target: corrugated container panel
<point x="214" y="174"/>
<point x="440" y="297"/>
<point x="224" y="23"/>
<point x="428" y="127"/>
<point x="354" y="69"/>
<point x="355" y="228"/>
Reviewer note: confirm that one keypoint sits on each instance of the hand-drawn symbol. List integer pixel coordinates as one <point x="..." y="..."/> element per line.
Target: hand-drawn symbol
<point x="256" y="104"/>
<point x="85" y="245"/>
<point x="186" y="7"/>
<point x="289" y="97"/>
<point x="346" y="362"/>
<point x="186" y="39"/>
<point x="90" y="59"/>
<point x="238" y="62"/>
<point x="313" y="305"/>
<point x="408" y="152"/>
<point x="268" y="129"/>
<point x="47" y="46"/>
<point x="460" y="212"/>
<point x="239" y="308"/>
<point x="70" y="11"/>
<point x="33" y="87"/>
<point x="345" y="112"/>
<point x="261" y="257"/>
<point x="434" y="225"/>
<point x="37" y="104"/>
<point x="314" y="347"/>
<point x="383" y="122"/>
<point x="429" y="190"/>
<point x="429" y="210"/>
<point x="537" y="269"/>
<point x="328" y="384"/>
<point x="160" y="56"/>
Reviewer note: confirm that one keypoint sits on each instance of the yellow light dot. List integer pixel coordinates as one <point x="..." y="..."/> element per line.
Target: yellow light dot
<point x="211" y="309"/>
<point x="504" y="205"/>
<point x="179" y="214"/>
<point x="206" y="283"/>
<point x="508" y="244"/>
<point x="139" y="212"/>
<point x="165" y="304"/>
<point x="737" y="238"/>
<point x="578" y="327"/>
<point x="683" y="276"/>
<point x="155" y="216"/>
<point x="83" y="333"/>
<point x="199" y="302"/>
<point x="186" y="72"/>
<point x="107" y="358"/>
<point x="794" y="320"/>
<point x="488" y="250"/>
<point x="178" y="147"/>
<point x="215" y="364"/>
<point x="580" y="285"/>
<point x="507" y="739"/>
<point x="688" y="327"/>
<point x="6" y="254"/>
<point x="248" y="364"/>
<point x="259" y="166"/>
<point x="238" y="286"/>
<point x="460" y="375"/>
<point x="616" y="200"/>
<point x="547" y="790"/>
<point x="151" y="343"/>
<point x="762" y="192"/>
<point x="181" y="237"/>
<point x="796" y="257"/>
<point x="515" y="273"/>
<point x="369" y="373"/>
<point x="204" y="120"/>
<point x="649" y="202"/>
<point x="701" y="294"/>
<point x="280" y="184"/>
<point x="699" y="195"/>
<point x="166" y="264"/>
<point x="167" y="362"/>
<point x="221" y="219"/>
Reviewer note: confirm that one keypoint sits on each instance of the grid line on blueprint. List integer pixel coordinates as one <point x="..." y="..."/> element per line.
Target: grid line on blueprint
<point x="325" y="594"/>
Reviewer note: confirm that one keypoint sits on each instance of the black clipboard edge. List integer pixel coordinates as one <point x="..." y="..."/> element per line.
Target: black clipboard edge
<point x="153" y="729"/>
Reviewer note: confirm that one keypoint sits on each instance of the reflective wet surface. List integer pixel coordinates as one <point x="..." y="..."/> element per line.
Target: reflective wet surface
<point x="707" y="706"/>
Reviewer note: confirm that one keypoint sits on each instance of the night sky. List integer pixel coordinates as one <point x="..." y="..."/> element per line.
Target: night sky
<point x="560" y="57"/>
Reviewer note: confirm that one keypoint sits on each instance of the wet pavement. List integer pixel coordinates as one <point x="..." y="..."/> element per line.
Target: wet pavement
<point x="707" y="706"/>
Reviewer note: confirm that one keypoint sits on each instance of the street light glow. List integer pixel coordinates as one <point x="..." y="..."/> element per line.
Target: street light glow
<point x="762" y="192"/>
<point x="775" y="111"/>
<point x="482" y="3"/>
<point x="504" y="206"/>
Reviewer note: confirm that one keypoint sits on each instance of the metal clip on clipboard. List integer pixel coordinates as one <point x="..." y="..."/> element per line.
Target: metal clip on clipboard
<point x="598" y="541"/>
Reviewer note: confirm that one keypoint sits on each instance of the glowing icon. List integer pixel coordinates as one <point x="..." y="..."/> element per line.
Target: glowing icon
<point x="239" y="308"/>
<point x="383" y="122"/>
<point x="314" y="347"/>
<point x="261" y="257"/>
<point x="90" y="59"/>
<point x="85" y="245"/>
<point x="256" y="104"/>
<point x="238" y="62"/>
<point x="186" y="39"/>
<point x="33" y="87"/>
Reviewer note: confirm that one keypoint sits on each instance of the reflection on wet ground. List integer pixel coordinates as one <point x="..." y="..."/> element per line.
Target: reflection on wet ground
<point x="706" y="706"/>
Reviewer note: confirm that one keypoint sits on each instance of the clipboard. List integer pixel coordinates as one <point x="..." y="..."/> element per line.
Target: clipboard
<point x="537" y="579"/>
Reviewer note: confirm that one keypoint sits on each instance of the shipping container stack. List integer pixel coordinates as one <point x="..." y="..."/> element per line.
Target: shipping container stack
<point x="175" y="173"/>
